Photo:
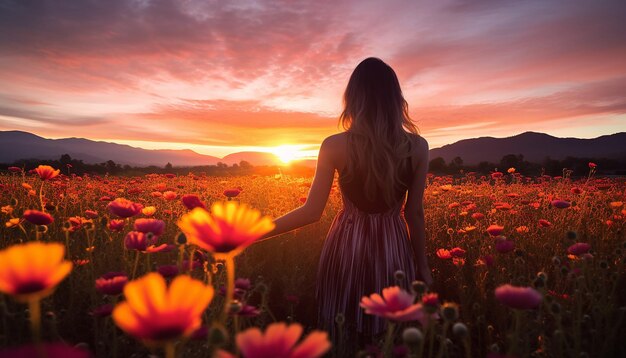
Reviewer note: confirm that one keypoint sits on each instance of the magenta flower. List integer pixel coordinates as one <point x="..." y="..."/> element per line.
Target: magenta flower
<point x="192" y="201"/>
<point x="248" y="311"/>
<point x="155" y="226"/>
<point x="457" y="252"/>
<point x="124" y="208"/>
<point x="38" y="217"/>
<point x="116" y="225"/>
<point x="168" y="271"/>
<point x="503" y="245"/>
<point x="136" y="240"/>
<point x="50" y="350"/>
<point x="111" y="284"/>
<point x="395" y="304"/>
<point x="561" y="204"/>
<point x="518" y="297"/>
<point x="578" y="248"/>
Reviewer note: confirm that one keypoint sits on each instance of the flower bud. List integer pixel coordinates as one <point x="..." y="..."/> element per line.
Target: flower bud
<point x="181" y="239"/>
<point x="419" y="287"/>
<point x="412" y="336"/>
<point x="450" y="311"/>
<point x="218" y="335"/>
<point x="460" y="330"/>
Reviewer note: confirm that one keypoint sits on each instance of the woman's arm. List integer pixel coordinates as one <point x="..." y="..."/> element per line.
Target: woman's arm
<point x="414" y="213"/>
<point x="313" y="209"/>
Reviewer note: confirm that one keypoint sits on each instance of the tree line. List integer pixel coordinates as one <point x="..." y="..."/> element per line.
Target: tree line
<point x="438" y="166"/>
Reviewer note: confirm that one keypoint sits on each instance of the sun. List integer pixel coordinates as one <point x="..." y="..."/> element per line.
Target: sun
<point x="286" y="153"/>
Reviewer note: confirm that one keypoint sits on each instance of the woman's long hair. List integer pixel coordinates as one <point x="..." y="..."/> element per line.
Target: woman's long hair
<point x="376" y="118"/>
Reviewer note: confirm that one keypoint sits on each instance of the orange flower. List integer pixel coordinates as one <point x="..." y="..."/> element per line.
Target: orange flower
<point x="47" y="172"/>
<point x="228" y="230"/>
<point x="495" y="230"/>
<point x="156" y="314"/>
<point x="522" y="229"/>
<point x="31" y="271"/>
<point x="616" y="204"/>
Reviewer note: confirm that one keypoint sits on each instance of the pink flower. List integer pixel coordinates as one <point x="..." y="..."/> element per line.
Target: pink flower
<point x="192" y="201"/>
<point x="561" y="204"/>
<point x="395" y="304"/>
<point x="38" y="217"/>
<point x="50" y="350"/>
<point x="116" y="225"/>
<point x="111" y="284"/>
<point x="592" y="165"/>
<point x="478" y="216"/>
<point x="457" y="252"/>
<point x="495" y="230"/>
<point x="124" y="208"/>
<point x="578" y="248"/>
<point x="544" y="223"/>
<point x="280" y="340"/>
<point x="431" y="299"/>
<point x="518" y="297"/>
<point x="168" y="271"/>
<point x="15" y="169"/>
<point x="136" y="240"/>
<point x="155" y="226"/>
<point x="91" y="214"/>
<point x="248" y="311"/>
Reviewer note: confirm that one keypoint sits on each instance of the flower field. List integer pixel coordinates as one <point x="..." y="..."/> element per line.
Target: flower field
<point x="168" y="265"/>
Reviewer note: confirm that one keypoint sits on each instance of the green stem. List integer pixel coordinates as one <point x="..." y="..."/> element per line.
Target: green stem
<point x="170" y="350"/>
<point x="388" y="339"/>
<point x="229" y="261"/>
<point x="41" y="196"/>
<point x="34" y="308"/>
<point x="132" y="277"/>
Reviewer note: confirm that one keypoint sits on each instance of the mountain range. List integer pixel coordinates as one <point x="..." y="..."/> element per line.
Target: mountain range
<point x="16" y="145"/>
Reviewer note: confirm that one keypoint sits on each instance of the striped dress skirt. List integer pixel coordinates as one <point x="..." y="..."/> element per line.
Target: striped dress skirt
<point x="360" y="256"/>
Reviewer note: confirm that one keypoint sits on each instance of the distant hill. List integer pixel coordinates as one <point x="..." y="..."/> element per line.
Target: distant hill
<point x="534" y="146"/>
<point x="254" y="158"/>
<point x="16" y="145"/>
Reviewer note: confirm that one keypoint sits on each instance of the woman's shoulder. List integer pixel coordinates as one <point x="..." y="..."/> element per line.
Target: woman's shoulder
<point x="335" y="143"/>
<point x="419" y="145"/>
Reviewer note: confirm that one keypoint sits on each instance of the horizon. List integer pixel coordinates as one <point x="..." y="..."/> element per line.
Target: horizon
<point x="269" y="76"/>
<point x="286" y="157"/>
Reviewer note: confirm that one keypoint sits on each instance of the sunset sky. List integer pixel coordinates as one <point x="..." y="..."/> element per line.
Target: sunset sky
<point x="225" y="76"/>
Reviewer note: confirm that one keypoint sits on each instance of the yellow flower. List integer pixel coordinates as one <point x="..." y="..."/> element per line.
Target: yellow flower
<point x="12" y="222"/>
<point x="7" y="209"/>
<point x="26" y="186"/>
<point x="148" y="210"/>
<point x="32" y="271"/>
<point x="228" y="230"/>
<point x="616" y="204"/>
<point x="157" y="314"/>
<point x="522" y="229"/>
<point x="511" y="170"/>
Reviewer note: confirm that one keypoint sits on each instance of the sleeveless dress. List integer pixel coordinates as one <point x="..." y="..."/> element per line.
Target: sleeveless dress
<point x="366" y="244"/>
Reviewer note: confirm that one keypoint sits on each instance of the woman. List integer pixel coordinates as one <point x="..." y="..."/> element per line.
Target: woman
<point x="379" y="158"/>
